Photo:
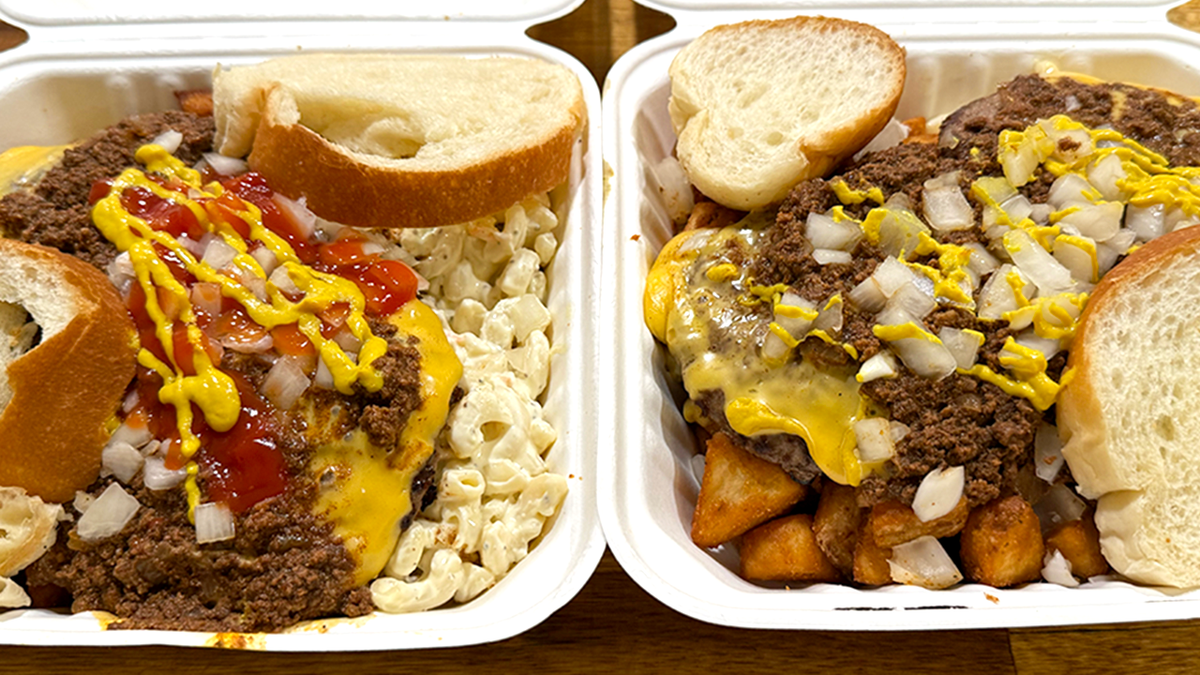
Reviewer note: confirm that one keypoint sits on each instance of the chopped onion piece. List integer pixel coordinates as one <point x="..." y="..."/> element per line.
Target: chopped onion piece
<point x="896" y="315"/>
<point x="1122" y="241"/>
<point x="997" y="296"/>
<point x="874" y="439"/>
<point x="913" y="300"/>
<point x="285" y="383"/>
<point x="1147" y="222"/>
<point x="867" y="296"/>
<point x="674" y="188"/>
<point x="891" y="135"/>
<point x="120" y="459"/>
<point x="168" y="140"/>
<point x="283" y="281"/>
<point x="1057" y="570"/>
<point x="1070" y="189"/>
<point x="214" y="522"/>
<point x="226" y="166"/>
<point x="925" y="357"/>
<point x="1079" y="260"/>
<point x="773" y="349"/>
<point x="1036" y="264"/>
<point x="1082" y="146"/>
<point x="1106" y="257"/>
<point x="891" y="275"/>
<point x="157" y="476"/>
<point x="939" y="493"/>
<point x="826" y="233"/>
<point x="218" y="254"/>
<point x="1104" y="175"/>
<point x="1048" y="457"/>
<point x="107" y="515"/>
<point x="1040" y="213"/>
<point x="82" y="501"/>
<point x="825" y="256"/>
<point x="253" y="283"/>
<point x="304" y="220"/>
<point x="963" y="345"/>
<point x="883" y="364"/>
<point x="266" y="259"/>
<point x="194" y="247"/>
<point x="324" y="378"/>
<point x="1098" y="221"/>
<point x="1047" y="346"/>
<point x="923" y="562"/>
<point x="1060" y="505"/>
<point x="1018" y="208"/>
<point x="900" y="230"/>
<point x="981" y="262"/>
<point x="898" y="430"/>
<point x="137" y="436"/>
<point x="946" y="208"/>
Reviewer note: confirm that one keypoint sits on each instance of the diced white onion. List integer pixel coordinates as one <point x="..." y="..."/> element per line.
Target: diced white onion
<point x="675" y="189"/>
<point x="913" y="300"/>
<point x="874" y="438"/>
<point x="1075" y="258"/>
<point x="218" y="254"/>
<point x="168" y="140"/>
<point x="1122" y="241"/>
<point x="1036" y="263"/>
<point x="892" y="134"/>
<point x="795" y="326"/>
<point x="898" y="430"/>
<point x="283" y="281"/>
<point x="1098" y="221"/>
<point x="265" y="258"/>
<point x="883" y="364"/>
<point x="1104" y="174"/>
<point x="156" y="476"/>
<point x="1019" y="163"/>
<point x="946" y="208"/>
<point x="939" y="493"/>
<point x="107" y="515"/>
<point x="1082" y="141"/>
<point x="964" y="346"/>
<point x="304" y="220"/>
<point x="214" y="522"/>
<point x="285" y="383"/>
<point x="830" y="319"/>
<point x="1048" y="457"/>
<point x="826" y="233"/>
<point x="1030" y="339"/>
<point x="196" y="248"/>
<point x="1057" y="570"/>
<point x="925" y="357"/>
<point x="324" y="378"/>
<point x="981" y="262"/>
<point x="891" y="275"/>
<point x="825" y="256"/>
<point x="1018" y="207"/>
<point x="923" y="562"/>
<point x="997" y="296"/>
<point x="253" y="283"/>
<point x="226" y="166"/>
<point x="1059" y="505"/>
<point x="82" y="501"/>
<point x="1040" y="213"/>
<point x="120" y="459"/>
<point x="773" y="349"/>
<point x="1147" y="222"/>
<point x="1106" y="257"/>
<point x="867" y="296"/>
<point x="135" y="436"/>
<point x="1069" y="189"/>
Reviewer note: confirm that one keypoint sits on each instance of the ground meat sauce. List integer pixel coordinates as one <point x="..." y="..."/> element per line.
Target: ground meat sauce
<point x="284" y="564"/>
<point x="959" y="420"/>
<point x="56" y="213"/>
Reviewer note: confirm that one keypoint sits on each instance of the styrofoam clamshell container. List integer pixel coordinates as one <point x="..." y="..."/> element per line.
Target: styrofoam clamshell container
<point x="648" y="488"/>
<point x="69" y="81"/>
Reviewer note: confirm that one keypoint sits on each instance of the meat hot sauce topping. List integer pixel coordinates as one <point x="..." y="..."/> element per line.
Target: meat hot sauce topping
<point x="272" y="285"/>
<point x="1031" y="273"/>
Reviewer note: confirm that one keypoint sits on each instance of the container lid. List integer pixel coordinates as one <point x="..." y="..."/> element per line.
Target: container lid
<point x="75" y="12"/>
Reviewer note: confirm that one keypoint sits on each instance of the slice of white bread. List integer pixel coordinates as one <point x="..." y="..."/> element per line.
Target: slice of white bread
<point x="762" y="105"/>
<point x="387" y="140"/>
<point x="58" y="397"/>
<point x="1128" y="414"/>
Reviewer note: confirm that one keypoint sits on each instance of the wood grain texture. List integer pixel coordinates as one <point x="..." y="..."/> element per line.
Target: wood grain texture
<point x="613" y="626"/>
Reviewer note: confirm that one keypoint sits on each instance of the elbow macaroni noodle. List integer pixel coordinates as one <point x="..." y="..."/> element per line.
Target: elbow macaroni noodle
<point x="495" y="494"/>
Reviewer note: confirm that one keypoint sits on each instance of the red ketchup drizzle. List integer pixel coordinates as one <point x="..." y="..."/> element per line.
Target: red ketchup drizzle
<point x="244" y="465"/>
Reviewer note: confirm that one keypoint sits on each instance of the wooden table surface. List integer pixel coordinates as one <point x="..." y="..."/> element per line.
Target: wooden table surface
<point x="613" y="626"/>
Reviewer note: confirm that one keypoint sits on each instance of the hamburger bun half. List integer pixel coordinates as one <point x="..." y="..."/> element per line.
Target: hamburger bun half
<point x="762" y="105"/>
<point x="402" y="141"/>
<point x="68" y="353"/>
<point x="1128" y="415"/>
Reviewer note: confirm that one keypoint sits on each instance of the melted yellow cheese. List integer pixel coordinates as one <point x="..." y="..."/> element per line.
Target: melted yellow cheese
<point x="24" y="165"/>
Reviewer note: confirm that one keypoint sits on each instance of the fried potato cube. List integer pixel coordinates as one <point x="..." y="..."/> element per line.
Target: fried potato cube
<point x="1079" y="543"/>
<point x="836" y="525"/>
<point x="893" y="523"/>
<point x="196" y="101"/>
<point x="1001" y="544"/>
<point x="785" y="550"/>
<point x="739" y="491"/>
<point x="871" y="561"/>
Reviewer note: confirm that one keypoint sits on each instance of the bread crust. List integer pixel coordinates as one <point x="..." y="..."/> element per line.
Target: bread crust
<point x="1100" y="467"/>
<point x="298" y="162"/>
<point x="67" y="389"/>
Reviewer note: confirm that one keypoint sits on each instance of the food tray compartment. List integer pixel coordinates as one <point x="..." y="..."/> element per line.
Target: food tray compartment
<point x="64" y="92"/>
<point x="647" y="485"/>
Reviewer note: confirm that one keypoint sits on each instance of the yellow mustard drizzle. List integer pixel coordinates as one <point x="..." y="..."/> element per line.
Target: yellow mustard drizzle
<point x="849" y="196"/>
<point x="210" y="389"/>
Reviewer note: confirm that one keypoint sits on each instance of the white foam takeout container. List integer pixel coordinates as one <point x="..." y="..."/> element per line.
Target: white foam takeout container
<point x="84" y="68"/>
<point x="646" y="483"/>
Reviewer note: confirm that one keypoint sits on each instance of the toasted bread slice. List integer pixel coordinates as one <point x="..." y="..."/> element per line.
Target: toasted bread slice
<point x="1128" y="412"/>
<point x="401" y="141"/>
<point x="762" y="105"/>
<point x="58" y="396"/>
